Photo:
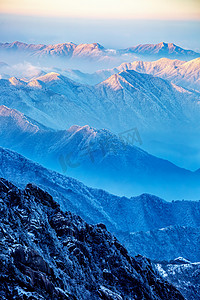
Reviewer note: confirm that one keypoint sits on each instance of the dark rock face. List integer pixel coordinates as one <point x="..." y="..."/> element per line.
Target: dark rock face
<point x="46" y="253"/>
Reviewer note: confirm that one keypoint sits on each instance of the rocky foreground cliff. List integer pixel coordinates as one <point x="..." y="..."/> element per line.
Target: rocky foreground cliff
<point x="50" y="254"/>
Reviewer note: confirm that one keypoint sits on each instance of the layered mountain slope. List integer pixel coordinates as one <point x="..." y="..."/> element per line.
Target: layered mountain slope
<point x="185" y="74"/>
<point x="98" y="158"/>
<point x="125" y="100"/>
<point x="159" y="110"/>
<point x="147" y="99"/>
<point x="121" y="215"/>
<point x="183" y="274"/>
<point x="50" y="254"/>
<point x="52" y="100"/>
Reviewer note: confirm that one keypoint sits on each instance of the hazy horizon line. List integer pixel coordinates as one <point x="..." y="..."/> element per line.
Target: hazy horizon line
<point x="195" y="18"/>
<point x="113" y="34"/>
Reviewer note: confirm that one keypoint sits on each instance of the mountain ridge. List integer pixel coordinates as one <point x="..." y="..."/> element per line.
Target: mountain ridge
<point x="140" y="99"/>
<point x="96" y="157"/>
<point x="97" y="51"/>
<point x="181" y="73"/>
<point x="121" y="215"/>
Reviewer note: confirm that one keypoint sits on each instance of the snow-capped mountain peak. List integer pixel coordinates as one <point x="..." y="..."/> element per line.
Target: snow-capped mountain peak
<point x="15" y="81"/>
<point x="113" y="82"/>
<point x="49" y="77"/>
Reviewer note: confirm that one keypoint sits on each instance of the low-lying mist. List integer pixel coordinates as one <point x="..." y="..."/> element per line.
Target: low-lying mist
<point x="24" y="65"/>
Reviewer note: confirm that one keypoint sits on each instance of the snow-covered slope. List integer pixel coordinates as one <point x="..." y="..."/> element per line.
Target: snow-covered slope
<point x="121" y="215"/>
<point x="97" y="158"/>
<point x="53" y="100"/>
<point x="147" y="99"/>
<point x="185" y="74"/>
<point x="183" y="274"/>
<point x="160" y="111"/>
<point x="125" y="100"/>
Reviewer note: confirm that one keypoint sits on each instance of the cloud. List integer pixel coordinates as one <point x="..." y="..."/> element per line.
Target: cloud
<point x="21" y="70"/>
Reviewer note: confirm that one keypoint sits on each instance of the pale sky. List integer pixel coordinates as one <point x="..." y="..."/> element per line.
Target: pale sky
<point x="106" y="9"/>
<point x="112" y="23"/>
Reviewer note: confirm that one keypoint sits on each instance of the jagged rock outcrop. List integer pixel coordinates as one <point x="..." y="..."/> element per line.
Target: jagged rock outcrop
<point x="50" y="254"/>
